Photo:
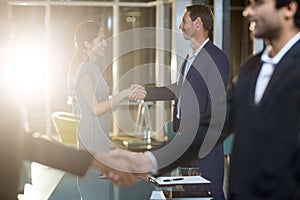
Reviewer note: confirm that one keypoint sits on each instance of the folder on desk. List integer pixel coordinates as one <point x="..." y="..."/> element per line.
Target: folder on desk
<point x="177" y="180"/>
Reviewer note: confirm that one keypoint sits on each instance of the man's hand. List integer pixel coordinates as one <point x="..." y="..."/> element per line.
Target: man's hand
<point x="123" y="167"/>
<point x="139" y="92"/>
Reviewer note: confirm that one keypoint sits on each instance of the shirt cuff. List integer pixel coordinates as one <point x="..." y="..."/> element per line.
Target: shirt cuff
<point x="150" y="155"/>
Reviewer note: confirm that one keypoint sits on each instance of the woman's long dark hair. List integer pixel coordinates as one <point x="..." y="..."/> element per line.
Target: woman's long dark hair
<point x="86" y="31"/>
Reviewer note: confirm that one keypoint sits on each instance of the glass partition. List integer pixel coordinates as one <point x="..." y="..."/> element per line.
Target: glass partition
<point x="50" y="25"/>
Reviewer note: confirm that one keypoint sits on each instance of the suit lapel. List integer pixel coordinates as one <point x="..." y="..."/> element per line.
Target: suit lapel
<point x="256" y="70"/>
<point x="182" y="68"/>
<point x="197" y="60"/>
<point x="287" y="63"/>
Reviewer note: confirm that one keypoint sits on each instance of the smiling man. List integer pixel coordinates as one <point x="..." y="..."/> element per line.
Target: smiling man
<point x="266" y="108"/>
<point x="203" y="76"/>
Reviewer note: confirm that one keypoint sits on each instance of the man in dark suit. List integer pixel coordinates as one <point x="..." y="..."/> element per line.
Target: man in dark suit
<point x="17" y="145"/>
<point x="265" y="108"/>
<point x="204" y="73"/>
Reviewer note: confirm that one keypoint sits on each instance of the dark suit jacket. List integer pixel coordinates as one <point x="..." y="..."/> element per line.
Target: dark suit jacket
<point x="265" y="161"/>
<point x="208" y="75"/>
<point x="16" y="145"/>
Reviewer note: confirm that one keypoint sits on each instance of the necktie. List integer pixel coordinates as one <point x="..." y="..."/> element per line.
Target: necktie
<point x="176" y="113"/>
<point x="183" y="73"/>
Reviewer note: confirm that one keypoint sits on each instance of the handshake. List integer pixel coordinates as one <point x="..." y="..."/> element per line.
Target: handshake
<point x="122" y="167"/>
<point x="136" y="92"/>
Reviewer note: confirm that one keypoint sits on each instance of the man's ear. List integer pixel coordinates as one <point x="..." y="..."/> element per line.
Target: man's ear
<point x="198" y="23"/>
<point x="291" y="9"/>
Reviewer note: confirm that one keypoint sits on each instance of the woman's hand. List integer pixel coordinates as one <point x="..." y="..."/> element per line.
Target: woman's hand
<point x="138" y="92"/>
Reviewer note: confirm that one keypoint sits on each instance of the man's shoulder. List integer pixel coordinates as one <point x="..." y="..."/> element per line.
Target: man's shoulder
<point x="250" y="65"/>
<point x="213" y="49"/>
<point x="211" y="45"/>
<point x="295" y="50"/>
<point x="252" y="59"/>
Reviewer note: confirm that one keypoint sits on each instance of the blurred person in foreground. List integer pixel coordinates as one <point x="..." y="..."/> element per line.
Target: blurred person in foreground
<point x="265" y="107"/>
<point x="17" y="145"/>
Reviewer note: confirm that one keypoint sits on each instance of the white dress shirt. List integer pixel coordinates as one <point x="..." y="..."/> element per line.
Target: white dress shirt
<point x="268" y="67"/>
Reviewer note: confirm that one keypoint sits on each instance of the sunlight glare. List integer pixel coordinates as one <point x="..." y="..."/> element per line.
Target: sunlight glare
<point x="26" y="72"/>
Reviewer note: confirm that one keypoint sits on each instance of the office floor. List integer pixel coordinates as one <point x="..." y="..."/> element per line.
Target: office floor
<point x="44" y="181"/>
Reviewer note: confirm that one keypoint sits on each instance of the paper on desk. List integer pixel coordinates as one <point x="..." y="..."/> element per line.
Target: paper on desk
<point x="178" y="180"/>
